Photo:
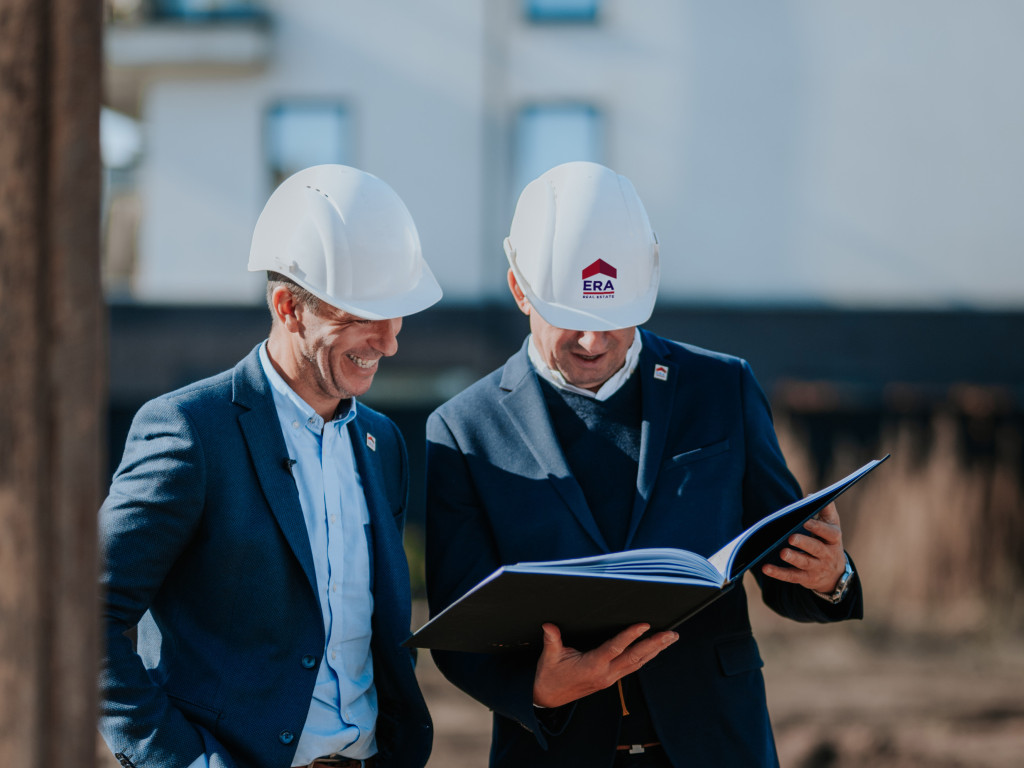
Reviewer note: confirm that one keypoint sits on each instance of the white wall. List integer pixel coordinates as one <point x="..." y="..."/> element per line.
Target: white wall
<point x="858" y="154"/>
<point x="410" y="78"/>
<point x="854" y="153"/>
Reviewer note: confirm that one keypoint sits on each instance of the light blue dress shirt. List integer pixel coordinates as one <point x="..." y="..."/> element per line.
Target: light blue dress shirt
<point x="343" y="712"/>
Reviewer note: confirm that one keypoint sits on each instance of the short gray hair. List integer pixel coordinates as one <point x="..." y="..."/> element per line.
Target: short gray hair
<point x="300" y="294"/>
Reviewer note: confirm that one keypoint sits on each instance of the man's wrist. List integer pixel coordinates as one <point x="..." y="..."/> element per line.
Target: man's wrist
<point x="842" y="585"/>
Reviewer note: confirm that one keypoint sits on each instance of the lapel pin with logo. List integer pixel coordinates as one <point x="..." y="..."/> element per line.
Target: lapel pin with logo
<point x="661" y="372"/>
<point x="371" y="442"/>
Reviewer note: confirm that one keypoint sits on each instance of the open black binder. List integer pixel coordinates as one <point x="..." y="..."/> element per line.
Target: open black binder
<point x="592" y="598"/>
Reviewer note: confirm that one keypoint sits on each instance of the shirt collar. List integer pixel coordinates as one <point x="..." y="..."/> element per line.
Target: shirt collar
<point x="285" y="398"/>
<point x="609" y="388"/>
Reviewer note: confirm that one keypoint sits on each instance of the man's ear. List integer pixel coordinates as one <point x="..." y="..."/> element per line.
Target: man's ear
<point x="517" y="293"/>
<point x="287" y="310"/>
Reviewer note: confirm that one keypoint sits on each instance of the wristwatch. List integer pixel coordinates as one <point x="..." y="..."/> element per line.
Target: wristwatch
<point x="837" y="594"/>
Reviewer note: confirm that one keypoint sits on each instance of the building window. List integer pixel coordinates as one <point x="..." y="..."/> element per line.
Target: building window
<point x="561" y="10"/>
<point x="304" y="133"/>
<point x="207" y="9"/>
<point x="548" y="135"/>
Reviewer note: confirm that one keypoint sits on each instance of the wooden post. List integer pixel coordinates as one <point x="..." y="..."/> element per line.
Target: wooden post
<point x="52" y="380"/>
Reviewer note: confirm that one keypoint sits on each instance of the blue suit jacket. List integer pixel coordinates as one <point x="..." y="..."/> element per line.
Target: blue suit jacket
<point x="206" y="551"/>
<point x="500" y="491"/>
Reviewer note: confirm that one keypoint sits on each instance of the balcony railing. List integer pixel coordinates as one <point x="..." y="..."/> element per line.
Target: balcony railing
<point x="206" y="10"/>
<point x="232" y="34"/>
<point x="141" y="11"/>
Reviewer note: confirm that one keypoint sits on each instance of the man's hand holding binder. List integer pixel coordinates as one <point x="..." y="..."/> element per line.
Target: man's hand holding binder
<point x="566" y="674"/>
<point x="817" y="562"/>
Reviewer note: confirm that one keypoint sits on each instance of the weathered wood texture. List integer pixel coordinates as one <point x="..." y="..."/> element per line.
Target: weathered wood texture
<point x="52" y="379"/>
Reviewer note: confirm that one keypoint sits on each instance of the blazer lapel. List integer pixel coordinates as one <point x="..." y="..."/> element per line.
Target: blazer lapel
<point x="388" y="568"/>
<point x="381" y="518"/>
<point x="262" y="432"/>
<point x="525" y="407"/>
<point x="658" y="385"/>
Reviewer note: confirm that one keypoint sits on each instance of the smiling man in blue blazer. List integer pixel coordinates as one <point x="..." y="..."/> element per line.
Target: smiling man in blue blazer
<point x="253" y="531"/>
<point x="598" y="437"/>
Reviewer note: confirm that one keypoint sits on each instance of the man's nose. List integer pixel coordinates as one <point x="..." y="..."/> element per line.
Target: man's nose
<point x="385" y="339"/>
<point x="594" y="342"/>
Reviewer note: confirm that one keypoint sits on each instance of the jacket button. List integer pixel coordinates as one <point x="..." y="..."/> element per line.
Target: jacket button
<point x="309" y="661"/>
<point x="286" y="737"/>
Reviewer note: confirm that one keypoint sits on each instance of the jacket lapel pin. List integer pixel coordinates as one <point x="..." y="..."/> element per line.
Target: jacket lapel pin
<point x="661" y="372"/>
<point x="371" y="442"/>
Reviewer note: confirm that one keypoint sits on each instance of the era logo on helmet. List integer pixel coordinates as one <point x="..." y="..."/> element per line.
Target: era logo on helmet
<point x="597" y="280"/>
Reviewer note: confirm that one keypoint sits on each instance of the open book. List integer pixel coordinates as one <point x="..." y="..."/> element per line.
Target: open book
<point x="592" y="598"/>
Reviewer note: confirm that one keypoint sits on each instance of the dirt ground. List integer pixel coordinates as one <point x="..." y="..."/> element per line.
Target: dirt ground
<point x="839" y="697"/>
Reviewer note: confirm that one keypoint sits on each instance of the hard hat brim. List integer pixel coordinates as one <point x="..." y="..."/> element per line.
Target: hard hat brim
<point x="424" y="294"/>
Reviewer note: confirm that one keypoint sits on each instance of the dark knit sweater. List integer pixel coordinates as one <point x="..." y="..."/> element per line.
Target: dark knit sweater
<point x="601" y="442"/>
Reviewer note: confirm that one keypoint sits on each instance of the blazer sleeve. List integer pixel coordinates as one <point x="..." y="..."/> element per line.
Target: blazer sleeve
<point x="151" y="512"/>
<point x="769" y="485"/>
<point x="460" y="552"/>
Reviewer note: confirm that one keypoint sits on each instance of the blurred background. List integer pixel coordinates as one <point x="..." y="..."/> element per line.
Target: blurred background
<point x="837" y="189"/>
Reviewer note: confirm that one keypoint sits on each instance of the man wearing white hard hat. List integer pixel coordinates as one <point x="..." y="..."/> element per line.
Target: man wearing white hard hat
<point x="253" y="531"/>
<point x="598" y="437"/>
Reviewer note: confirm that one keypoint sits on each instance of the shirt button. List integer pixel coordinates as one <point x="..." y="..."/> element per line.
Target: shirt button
<point x="309" y="661"/>
<point x="286" y="737"/>
<point x="295" y="425"/>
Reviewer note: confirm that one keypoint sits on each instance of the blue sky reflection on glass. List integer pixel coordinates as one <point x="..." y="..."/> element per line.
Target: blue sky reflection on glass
<point x="562" y="10"/>
<point x="552" y="134"/>
<point x="301" y="134"/>
<point x="204" y="8"/>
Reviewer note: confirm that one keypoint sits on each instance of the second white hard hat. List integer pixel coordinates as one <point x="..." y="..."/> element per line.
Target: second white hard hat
<point x="347" y="238"/>
<point x="582" y="249"/>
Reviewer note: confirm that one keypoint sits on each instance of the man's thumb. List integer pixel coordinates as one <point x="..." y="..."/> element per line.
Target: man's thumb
<point x="552" y="636"/>
<point x="829" y="514"/>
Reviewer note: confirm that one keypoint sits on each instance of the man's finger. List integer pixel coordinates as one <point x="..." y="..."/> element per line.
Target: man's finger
<point x="827" y="532"/>
<point x="782" y="573"/>
<point x="618" y="644"/>
<point x="643" y="651"/>
<point x="795" y="558"/>
<point x="810" y="544"/>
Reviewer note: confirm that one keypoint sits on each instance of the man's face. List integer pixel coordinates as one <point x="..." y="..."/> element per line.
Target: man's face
<point x="337" y="353"/>
<point x="586" y="359"/>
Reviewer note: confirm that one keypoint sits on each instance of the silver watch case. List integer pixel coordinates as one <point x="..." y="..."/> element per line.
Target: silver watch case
<point x="837" y="594"/>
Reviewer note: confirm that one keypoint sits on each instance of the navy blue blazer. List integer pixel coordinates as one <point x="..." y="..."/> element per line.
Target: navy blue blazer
<point x="499" y="491"/>
<point x="206" y="551"/>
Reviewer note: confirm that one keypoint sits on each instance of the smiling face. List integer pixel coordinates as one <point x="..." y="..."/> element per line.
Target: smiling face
<point x="586" y="359"/>
<point x="327" y="355"/>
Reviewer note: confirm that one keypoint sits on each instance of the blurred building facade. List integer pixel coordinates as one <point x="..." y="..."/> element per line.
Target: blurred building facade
<point x="791" y="153"/>
<point x="836" y="188"/>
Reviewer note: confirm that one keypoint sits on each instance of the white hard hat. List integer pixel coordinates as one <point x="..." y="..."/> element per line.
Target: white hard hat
<point x="582" y="249"/>
<point x="347" y="238"/>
